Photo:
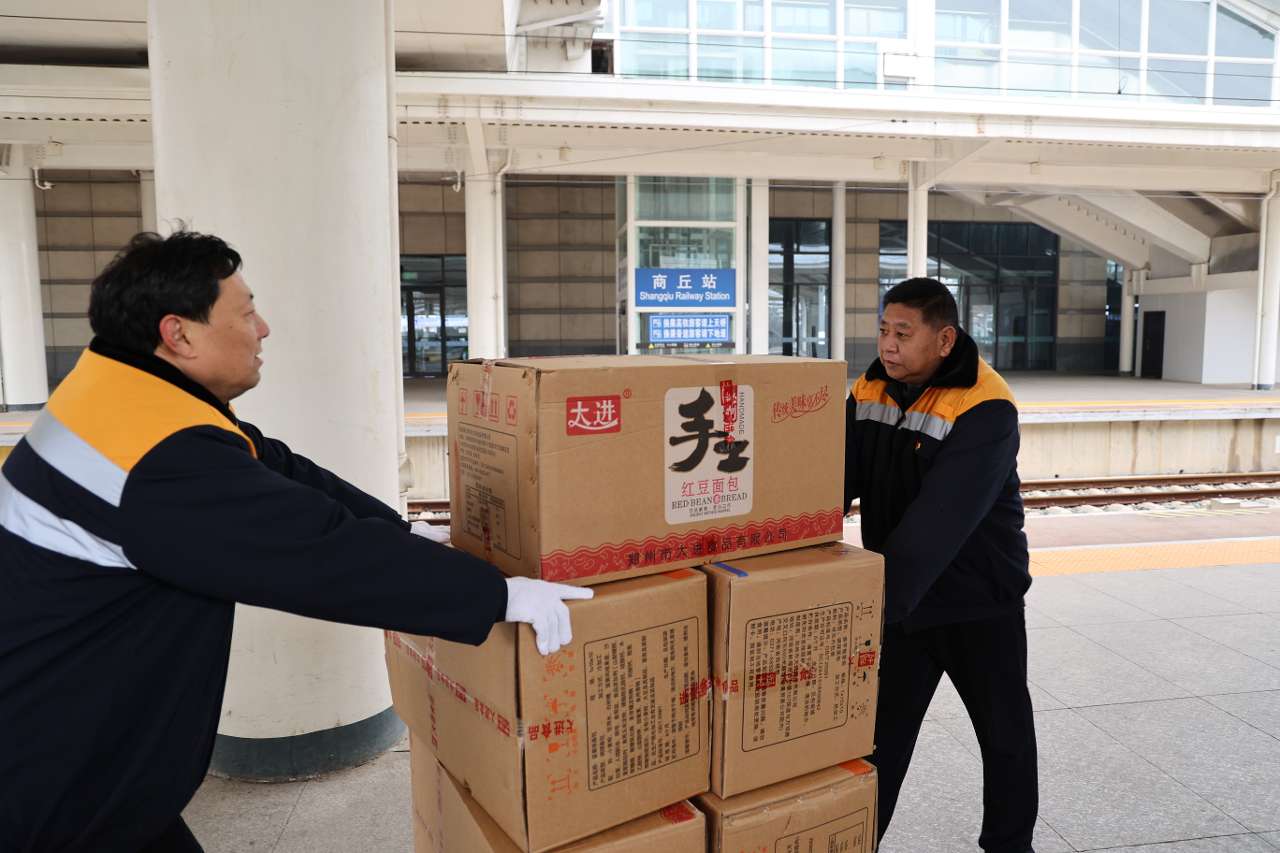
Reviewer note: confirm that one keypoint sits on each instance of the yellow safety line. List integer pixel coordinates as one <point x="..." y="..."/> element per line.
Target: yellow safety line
<point x="1047" y="562"/>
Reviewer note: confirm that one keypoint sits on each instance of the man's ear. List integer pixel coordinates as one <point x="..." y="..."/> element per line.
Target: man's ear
<point x="173" y="336"/>
<point x="947" y="340"/>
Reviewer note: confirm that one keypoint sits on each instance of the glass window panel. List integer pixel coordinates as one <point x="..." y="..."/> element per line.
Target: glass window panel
<point x="1044" y="74"/>
<point x="893" y="236"/>
<point x="697" y="248"/>
<point x="980" y="320"/>
<point x="953" y="236"/>
<point x="983" y="238"/>
<point x="1109" y="77"/>
<point x="968" y="20"/>
<point x="804" y="16"/>
<point x="1039" y="23"/>
<point x="1179" y="26"/>
<point x="1111" y="24"/>
<point x="653" y="55"/>
<point x="1175" y="80"/>
<point x="777" y="268"/>
<point x="753" y="16"/>
<point x="780" y="238"/>
<point x="812" y="269"/>
<point x="658" y="13"/>
<point x="1013" y="239"/>
<point x="1042" y="242"/>
<point x="1238" y="36"/>
<point x="1242" y="84"/>
<point x="860" y="61"/>
<point x="728" y="58"/>
<point x="959" y="70"/>
<point x="455" y="269"/>
<point x="804" y="63"/>
<point x="455" y="322"/>
<point x="879" y="18"/>
<point x="893" y="268"/>
<point x="718" y="14"/>
<point x="685" y="198"/>
<point x="812" y="314"/>
<point x="814" y="235"/>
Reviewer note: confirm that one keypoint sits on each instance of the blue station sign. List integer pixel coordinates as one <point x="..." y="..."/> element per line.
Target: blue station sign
<point x="667" y="287"/>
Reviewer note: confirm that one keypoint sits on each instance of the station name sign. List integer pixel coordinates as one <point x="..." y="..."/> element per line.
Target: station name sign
<point x="669" y="287"/>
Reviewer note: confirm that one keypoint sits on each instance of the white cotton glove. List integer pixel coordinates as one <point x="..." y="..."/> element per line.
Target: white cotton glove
<point x="541" y="604"/>
<point x="434" y="532"/>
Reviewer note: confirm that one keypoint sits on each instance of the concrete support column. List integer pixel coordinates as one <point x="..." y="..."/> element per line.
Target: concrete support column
<point x="299" y="186"/>
<point x="1269" y="292"/>
<point x="838" y="286"/>
<point x="147" y="194"/>
<point x="24" y="373"/>
<point x="917" y="222"/>
<point x="759" y="282"/>
<point x="740" y="265"/>
<point x="1126" y="323"/>
<point x="486" y="266"/>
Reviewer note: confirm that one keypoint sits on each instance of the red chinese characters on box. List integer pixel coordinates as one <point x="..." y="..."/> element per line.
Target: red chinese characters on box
<point x="593" y="415"/>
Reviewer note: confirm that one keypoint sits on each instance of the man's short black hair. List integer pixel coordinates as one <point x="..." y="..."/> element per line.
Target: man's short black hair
<point x="154" y="276"/>
<point x="931" y="297"/>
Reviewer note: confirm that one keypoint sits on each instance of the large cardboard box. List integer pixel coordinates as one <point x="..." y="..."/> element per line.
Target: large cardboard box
<point x="446" y="819"/>
<point x="831" y="810"/>
<point x="610" y="728"/>
<point x="588" y="469"/>
<point x="795" y="658"/>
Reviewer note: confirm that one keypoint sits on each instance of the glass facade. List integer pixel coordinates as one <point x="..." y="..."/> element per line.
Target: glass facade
<point x="433" y="313"/>
<point x="1004" y="276"/>
<point x="1160" y="51"/>
<point x="683" y="274"/>
<point x="800" y="287"/>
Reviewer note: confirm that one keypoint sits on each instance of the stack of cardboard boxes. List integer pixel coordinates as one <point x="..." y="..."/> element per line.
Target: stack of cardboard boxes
<point x="721" y="684"/>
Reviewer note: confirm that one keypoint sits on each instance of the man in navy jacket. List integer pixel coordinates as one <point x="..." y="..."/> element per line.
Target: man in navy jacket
<point x="134" y="514"/>
<point x="931" y="452"/>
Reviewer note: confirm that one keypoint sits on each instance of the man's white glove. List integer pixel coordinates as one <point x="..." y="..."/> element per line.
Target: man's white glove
<point x="434" y="532"/>
<point x="541" y="604"/>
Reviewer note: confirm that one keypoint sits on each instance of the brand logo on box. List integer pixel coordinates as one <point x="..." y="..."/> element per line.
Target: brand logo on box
<point x="593" y="415"/>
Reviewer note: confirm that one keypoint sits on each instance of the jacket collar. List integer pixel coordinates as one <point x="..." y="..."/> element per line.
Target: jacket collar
<point x="161" y="369"/>
<point x="958" y="370"/>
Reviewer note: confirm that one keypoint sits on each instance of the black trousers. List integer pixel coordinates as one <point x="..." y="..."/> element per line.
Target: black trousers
<point x="987" y="662"/>
<point x="176" y="839"/>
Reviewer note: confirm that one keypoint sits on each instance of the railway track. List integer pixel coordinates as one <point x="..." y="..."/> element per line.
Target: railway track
<point x="1039" y="494"/>
<point x="1104" y="491"/>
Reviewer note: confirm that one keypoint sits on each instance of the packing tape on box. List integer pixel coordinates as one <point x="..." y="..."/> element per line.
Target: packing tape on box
<point x="514" y="728"/>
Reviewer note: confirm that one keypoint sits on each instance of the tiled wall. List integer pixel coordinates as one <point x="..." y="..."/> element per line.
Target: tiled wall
<point x="1082" y="308"/>
<point x="432" y="216"/>
<point x="561" y="287"/>
<point x="80" y="224"/>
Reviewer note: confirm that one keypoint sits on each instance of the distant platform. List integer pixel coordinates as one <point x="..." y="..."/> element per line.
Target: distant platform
<point x="1054" y="398"/>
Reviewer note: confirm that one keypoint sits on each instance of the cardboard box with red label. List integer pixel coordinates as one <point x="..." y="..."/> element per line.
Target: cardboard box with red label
<point x="830" y="810"/>
<point x="612" y="727"/>
<point x="795" y="643"/>
<point x="446" y="819"/>
<point x="590" y="469"/>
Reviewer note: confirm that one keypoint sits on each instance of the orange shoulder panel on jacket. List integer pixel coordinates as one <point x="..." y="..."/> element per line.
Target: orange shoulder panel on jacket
<point x="123" y="412"/>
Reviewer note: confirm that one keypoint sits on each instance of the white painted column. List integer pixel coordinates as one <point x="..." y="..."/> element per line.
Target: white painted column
<point x="299" y="186"/>
<point x="1126" y="323"/>
<point x="1139" y="281"/>
<point x="740" y="265"/>
<point x="1269" y="292"/>
<point x="486" y="255"/>
<point x="23" y="371"/>
<point x="917" y="221"/>
<point x="838" y="284"/>
<point x="759" y="248"/>
<point x="147" y="194"/>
